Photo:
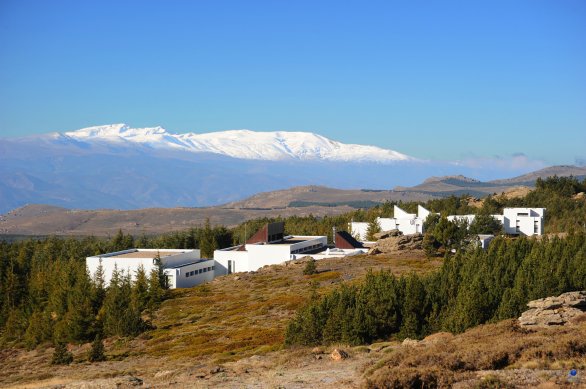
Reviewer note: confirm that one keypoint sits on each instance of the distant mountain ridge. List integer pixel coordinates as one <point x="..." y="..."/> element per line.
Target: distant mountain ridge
<point x="120" y="167"/>
<point x="300" y="201"/>
<point x="243" y="144"/>
<point x="457" y="185"/>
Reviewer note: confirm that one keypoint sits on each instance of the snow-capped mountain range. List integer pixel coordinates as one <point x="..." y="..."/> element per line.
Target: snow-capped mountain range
<point x="117" y="166"/>
<point x="244" y="144"/>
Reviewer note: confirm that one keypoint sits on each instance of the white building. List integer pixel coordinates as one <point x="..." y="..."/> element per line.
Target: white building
<point x="523" y="221"/>
<point x="183" y="268"/>
<point x="407" y="223"/>
<point x="515" y="221"/>
<point x="268" y="246"/>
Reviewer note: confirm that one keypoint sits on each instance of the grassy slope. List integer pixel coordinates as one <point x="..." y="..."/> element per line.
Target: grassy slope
<point x="240" y="324"/>
<point x="230" y="319"/>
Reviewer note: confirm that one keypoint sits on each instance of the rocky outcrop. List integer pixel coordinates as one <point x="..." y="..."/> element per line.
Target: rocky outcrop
<point x="394" y="243"/>
<point x="339" y="354"/>
<point x="387" y="234"/>
<point x="555" y="311"/>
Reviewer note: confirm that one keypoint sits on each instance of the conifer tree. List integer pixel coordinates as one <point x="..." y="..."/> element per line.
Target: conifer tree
<point x="96" y="353"/>
<point x="61" y="356"/>
<point x="372" y="229"/>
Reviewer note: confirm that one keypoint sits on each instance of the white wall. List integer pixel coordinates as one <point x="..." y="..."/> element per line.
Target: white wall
<point x="267" y="254"/>
<point x="358" y="230"/>
<point x="127" y="265"/>
<point x="386" y="224"/>
<point x="524" y="221"/>
<point x="259" y="255"/>
<point x="192" y="275"/>
<point x="110" y="261"/>
<point x="238" y="258"/>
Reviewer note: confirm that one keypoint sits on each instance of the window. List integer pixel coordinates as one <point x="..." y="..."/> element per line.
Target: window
<point x="213" y="267"/>
<point x="186" y="275"/>
<point x="200" y="271"/>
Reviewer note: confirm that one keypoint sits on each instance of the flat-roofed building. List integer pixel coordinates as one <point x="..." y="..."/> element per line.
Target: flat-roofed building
<point x="183" y="268"/>
<point x="515" y="221"/>
<point x="269" y="246"/>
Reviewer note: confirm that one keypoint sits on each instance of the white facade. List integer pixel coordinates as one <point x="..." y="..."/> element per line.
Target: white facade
<point x="407" y="223"/>
<point x="515" y="221"/>
<point x="129" y="261"/>
<point x="523" y="221"/>
<point x="191" y="274"/>
<point x="256" y="255"/>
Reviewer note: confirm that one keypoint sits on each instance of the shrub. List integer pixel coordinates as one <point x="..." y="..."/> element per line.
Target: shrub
<point x="310" y="268"/>
<point x="97" y="351"/>
<point x="61" y="356"/>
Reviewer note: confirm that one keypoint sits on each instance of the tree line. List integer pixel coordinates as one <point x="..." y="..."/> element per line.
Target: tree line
<point x="471" y="288"/>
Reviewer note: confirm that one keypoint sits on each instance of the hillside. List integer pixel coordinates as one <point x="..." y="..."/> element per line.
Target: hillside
<point x="229" y="333"/>
<point x="48" y="220"/>
<point x="458" y="185"/>
<point x="315" y="195"/>
<point x="300" y="201"/>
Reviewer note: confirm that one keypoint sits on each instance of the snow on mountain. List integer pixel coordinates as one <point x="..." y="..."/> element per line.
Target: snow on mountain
<point x="244" y="144"/>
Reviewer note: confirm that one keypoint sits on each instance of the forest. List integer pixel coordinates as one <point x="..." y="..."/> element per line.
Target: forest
<point x="471" y="288"/>
<point x="46" y="294"/>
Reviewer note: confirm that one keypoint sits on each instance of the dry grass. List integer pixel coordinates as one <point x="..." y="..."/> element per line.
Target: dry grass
<point x="489" y="347"/>
<point x="240" y="315"/>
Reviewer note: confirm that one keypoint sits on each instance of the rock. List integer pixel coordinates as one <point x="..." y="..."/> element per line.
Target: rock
<point x="339" y="354"/>
<point x="236" y="278"/>
<point x="317" y="350"/>
<point x="217" y="369"/>
<point x="397" y="243"/>
<point x="164" y="373"/>
<point x="410" y="342"/>
<point x="134" y="381"/>
<point x="374" y="251"/>
<point x="566" y="308"/>
<point x="387" y="234"/>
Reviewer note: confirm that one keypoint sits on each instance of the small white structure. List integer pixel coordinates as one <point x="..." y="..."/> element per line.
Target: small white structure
<point x="515" y="221"/>
<point x="484" y="240"/>
<point x="523" y="221"/>
<point x="183" y="268"/>
<point x="268" y="246"/>
<point x="407" y="223"/>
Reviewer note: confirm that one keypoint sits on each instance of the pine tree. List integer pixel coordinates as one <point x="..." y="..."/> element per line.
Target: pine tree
<point x="61" y="356"/>
<point x="96" y="353"/>
<point x="373" y="228"/>
<point x="140" y="289"/>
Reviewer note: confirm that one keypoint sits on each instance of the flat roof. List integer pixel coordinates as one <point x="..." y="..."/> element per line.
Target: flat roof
<point x="190" y="263"/>
<point x="291" y="240"/>
<point x="147" y="254"/>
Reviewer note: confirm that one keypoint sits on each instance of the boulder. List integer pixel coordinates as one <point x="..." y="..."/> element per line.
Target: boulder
<point x="564" y="309"/>
<point x="410" y="342"/>
<point x="387" y="234"/>
<point x="397" y="243"/>
<point x="339" y="354"/>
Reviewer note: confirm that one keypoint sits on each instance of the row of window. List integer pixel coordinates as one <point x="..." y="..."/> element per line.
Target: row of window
<point x="308" y="248"/>
<point x="196" y="272"/>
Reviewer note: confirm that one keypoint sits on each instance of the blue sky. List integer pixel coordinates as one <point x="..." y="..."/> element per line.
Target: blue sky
<point x="438" y="80"/>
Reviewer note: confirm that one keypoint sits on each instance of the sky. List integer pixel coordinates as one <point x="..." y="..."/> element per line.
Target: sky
<point x="433" y="79"/>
